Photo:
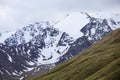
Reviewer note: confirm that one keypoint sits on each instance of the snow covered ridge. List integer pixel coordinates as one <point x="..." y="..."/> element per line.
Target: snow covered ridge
<point x="40" y="46"/>
<point x="49" y="43"/>
<point x="113" y="18"/>
<point x="25" y="34"/>
<point x="74" y="22"/>
<point x="71" y="24"/>
<point x="92" y="31"/>
<point x="44" y="49"/>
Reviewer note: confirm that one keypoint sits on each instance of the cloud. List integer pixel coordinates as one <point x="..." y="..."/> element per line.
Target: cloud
<point x="18" y="13"/>
<point x="87" y="5"/>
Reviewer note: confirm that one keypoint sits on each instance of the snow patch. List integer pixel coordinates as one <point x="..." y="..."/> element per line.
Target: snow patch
<point x="5" y="35"/>
<point x="73" y="23"/>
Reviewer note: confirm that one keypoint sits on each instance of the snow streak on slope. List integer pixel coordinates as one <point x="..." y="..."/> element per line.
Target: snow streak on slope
<point x="50" y="46"/>
<point x="52" y="51"/>
<point x="73" y="23"/>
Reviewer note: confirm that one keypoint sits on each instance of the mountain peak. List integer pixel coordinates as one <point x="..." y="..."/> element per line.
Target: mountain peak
<point x="73" y="23"/>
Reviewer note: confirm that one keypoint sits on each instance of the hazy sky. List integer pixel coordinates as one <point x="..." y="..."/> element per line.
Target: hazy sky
<point x="18" y="13"/>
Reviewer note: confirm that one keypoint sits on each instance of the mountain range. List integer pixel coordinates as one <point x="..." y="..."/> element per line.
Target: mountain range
<point x="39" y="47"/>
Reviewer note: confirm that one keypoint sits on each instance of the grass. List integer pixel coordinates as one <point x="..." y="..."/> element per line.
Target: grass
<point x="100" y="61"/>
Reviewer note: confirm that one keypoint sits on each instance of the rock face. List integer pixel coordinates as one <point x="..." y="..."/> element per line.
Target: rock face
<point x="37" y="48"/>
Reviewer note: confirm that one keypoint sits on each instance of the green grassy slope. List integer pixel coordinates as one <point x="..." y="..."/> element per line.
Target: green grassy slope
<point x="100" y="61"/>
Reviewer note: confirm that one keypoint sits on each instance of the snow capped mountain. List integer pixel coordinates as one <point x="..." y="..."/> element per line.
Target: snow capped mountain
<point x="92" y="31"/>
<point x="45" y="49"/>
<point x="74" y="22"/>
<point x="39" y="47"/>
<point x="71" y="24"/>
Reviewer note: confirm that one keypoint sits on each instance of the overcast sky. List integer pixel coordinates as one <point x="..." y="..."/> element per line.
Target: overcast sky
<point x="18" y="13"/>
